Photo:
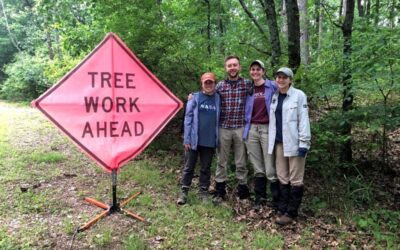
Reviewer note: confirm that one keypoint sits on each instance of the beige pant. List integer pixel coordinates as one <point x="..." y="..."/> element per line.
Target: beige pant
<point x="289" y="169"/>
<point x="257" y="150"/>
<point x="227" y="138"/>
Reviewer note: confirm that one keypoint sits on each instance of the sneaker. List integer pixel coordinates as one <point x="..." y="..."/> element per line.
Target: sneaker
<point x="182" y="197"/>
<point x="284" y="220"/>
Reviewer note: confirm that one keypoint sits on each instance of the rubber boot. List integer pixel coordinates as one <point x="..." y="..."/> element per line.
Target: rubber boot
<point x="275" y="193"/>
<point x="296" y="195"/>
<point x="260" y="186"/>
<point x="243" y="191"/>
<point x="283" y="198"/>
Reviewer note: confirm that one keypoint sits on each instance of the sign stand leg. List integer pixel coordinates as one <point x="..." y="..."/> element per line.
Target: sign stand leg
<point x="114" y="207"/>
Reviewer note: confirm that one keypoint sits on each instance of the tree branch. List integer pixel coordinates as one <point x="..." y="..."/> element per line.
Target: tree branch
<point x="262" y="4"/>
<point x="329" y="16"/>
<point x="251" y="16"/>
<point x="8" y="27"/>
<point x="256" y="48"/>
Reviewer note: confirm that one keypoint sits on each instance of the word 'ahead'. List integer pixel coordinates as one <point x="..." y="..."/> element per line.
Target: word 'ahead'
<point x="110" y="104"/>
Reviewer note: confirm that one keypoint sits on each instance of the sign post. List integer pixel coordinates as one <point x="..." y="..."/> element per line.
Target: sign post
<point x="112" y="107"/>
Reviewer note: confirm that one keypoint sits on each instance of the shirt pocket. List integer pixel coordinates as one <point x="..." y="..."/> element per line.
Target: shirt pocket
<point x="292" y="112"/>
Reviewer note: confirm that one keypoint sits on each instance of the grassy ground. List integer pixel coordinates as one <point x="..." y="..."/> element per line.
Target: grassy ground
<point x="44" y="178"/>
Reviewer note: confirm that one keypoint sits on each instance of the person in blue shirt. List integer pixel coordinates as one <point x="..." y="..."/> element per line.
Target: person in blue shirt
<point x="200" y="136"/>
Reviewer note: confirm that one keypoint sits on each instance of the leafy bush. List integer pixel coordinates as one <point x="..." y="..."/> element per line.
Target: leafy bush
<point x="31" y="75"/>
<point x="382" y="224"/>
<point x="26" y="78"/>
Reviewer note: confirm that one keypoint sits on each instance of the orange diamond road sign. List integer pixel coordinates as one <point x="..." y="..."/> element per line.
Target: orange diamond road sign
<point x="110" y="104"/>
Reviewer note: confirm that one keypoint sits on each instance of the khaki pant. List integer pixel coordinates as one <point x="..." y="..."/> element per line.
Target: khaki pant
<point x="290" y="170"/>
<point x="227" y="138"/>
<point x="257" y="150"/>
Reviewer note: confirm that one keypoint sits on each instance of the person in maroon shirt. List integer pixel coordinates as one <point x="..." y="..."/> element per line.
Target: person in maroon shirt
<point x="255" y="135"/>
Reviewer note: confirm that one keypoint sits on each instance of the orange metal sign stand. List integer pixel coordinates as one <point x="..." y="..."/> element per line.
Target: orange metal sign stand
<point x="114" y="207"/>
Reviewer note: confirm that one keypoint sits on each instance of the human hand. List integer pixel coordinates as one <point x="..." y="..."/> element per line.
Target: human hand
<point x="188" y="147"/>
<point x="302" y="152"/>
<point x="190" y="96"/>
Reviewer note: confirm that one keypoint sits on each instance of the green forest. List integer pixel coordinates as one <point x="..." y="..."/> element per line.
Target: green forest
<point x="346" y="58"/>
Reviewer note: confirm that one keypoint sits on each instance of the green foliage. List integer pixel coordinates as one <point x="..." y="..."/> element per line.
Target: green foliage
<point x="6" y="242"/>
<point x="31" y="202"/>
<point x="135" y="242"/>
<point x="266" y="240"/>
<point x="57" y="68"/>
<point x="68" y="226"/>
<point x="103" y="239"/>
<point x="383" y="224"/>
<point x="359" y="191"/>
<point x="47" y="157"/>
<point x="26" y="79"/>
<point x="326" y="141"/>
<point x="29" y="76"/>
<point x="318" y="204"/>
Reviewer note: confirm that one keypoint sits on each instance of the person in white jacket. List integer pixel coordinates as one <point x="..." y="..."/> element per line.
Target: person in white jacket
<point x="289" y="139"/>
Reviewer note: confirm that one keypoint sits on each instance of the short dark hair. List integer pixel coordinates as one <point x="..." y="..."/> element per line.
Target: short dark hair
<point x="232" y="57"/>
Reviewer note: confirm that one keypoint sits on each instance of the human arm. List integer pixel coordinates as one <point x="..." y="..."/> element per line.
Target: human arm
<point x="188" y="123"/>
<point x="304" y="123"/>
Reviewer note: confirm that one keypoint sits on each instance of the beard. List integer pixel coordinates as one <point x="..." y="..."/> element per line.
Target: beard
<point x="233" y="75"/>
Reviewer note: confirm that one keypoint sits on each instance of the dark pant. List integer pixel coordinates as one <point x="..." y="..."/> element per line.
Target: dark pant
<point x="206" y="155"/>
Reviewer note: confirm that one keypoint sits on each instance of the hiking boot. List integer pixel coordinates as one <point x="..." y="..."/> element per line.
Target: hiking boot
<point x="203" y="195"/>
<point x="258" y="203"/>
<point x="217" y="200"/>
<point x="296" y="195"/>
<point x="284" y="197"/>
<point x="275" y="193"/>
<point x="182" y="199"/>
<point x="284" y="220"/>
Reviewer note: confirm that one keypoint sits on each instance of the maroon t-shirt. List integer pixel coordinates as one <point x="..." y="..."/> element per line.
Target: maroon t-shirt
<point x="260" y="113"/>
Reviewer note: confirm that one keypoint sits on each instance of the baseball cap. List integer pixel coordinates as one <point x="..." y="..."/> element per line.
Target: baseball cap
<point x="259" y="62"/>
<point x="288" y="72"/>
<point x="208" y="76"/>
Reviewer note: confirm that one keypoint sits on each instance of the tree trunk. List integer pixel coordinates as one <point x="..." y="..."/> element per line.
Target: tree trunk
<point x="377" y="9"/>
<point x="10" y="35"/>
<point x="360" y="8"/>
<point x="284" y="27"/>
<point x="320" y="28"/>
<point x="293" y="34"/>
<point x="347" y="26"/>
<point x="269" y="8"/>
<point x="208" y="27"/>
<point x="49" y="45"/>
<point x="221" y="29"/>
<point x="58" y="46"/>
<point x="304" y="38"/>
<point x="368" y="10"/>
